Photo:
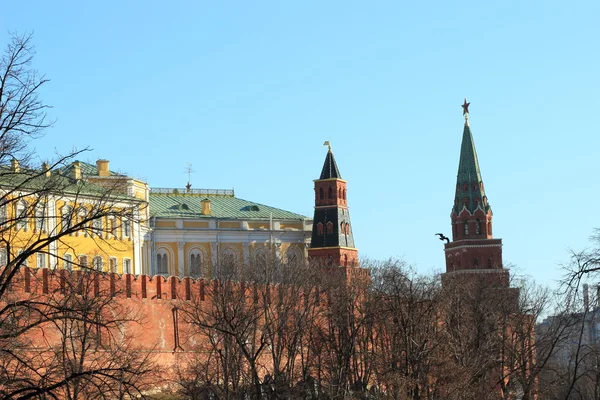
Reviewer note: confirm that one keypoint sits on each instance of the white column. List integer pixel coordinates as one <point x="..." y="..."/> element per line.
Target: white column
<point x="136" y="232"/>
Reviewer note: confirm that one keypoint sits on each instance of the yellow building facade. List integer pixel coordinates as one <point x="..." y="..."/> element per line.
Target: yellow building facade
<point x="73" y="217"/>
<point x="197" y="232"/>
<point x="114" y="223"/>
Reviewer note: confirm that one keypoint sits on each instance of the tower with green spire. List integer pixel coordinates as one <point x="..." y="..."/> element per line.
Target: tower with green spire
<point x="473" y="248"/>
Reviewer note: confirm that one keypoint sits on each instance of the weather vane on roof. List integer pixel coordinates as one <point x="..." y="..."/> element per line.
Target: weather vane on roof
<point x="327" y="144"/>
<point x="189" y="171"/>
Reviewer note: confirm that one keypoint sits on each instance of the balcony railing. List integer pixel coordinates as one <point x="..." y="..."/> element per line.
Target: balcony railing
<point x="198" y="192"/>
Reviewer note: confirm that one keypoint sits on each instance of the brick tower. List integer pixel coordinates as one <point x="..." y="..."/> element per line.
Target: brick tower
<point x="473" y="250"/>
<point x="332" y="240"/>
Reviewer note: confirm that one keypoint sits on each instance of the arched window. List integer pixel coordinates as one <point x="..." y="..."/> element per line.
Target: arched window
<point x="329" y="228"/>
<point x="319" y="228"/>
<point x="466" y="228"/>
<point x="195" y="268"/>
<point x="345" y="260"/>
<point x="83" y="261"/>
<point x="97" y="263"/>
<point x="344" y="194"/>
<point x="343" y="227"/>
<point x="340" y="193"/>
<point x="162" y="263"/>
<point x="22" y="215"/>
<point x="228" y="265"/>
<point x="260" y="259"/>
<point x="321" y="194"/>
<point x="293" y="256"/>
<point x="66" y="217"/>
<point x="330" y="192"/>
<point x="261" y="271"/>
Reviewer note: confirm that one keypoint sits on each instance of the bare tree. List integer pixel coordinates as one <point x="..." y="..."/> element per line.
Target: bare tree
<point x="583" y="264"/>
<point x="79" y="344"/>
<point x="31" y="225"/>
<point x="406" y="342"/>
<point x="228" y="326"/>
<point x="253" y="328"/>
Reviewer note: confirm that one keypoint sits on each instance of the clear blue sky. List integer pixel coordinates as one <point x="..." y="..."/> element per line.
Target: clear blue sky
<point x="247" y="92"/>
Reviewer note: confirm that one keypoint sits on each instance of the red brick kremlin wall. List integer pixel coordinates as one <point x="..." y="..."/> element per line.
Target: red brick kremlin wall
<point x="154" y="298"/>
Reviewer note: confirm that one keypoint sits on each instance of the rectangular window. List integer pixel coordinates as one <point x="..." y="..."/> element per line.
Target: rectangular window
<point x="67" y="216"/>
<point x="24" y="263"/>
<point x="21" y="215"/>
<point x="3" y="216"/>
<point x="41" y="260"/>
<point x="126" y="266"/>
<point x="126" y="228"/>
<point x="112" y="226"/>
<point x="3" y="257"/>
<point x="97" y="263"/>
<point x="40" y="218"/>
<point x="68" y="260"/>
<point x="112" y="264"/>
<point x="97" y="227"/>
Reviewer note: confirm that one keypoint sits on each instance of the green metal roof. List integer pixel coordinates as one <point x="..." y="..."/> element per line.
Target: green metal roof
<point x="469" y="175"/>
<point x="184" y="205"/>
<point x="36" y="181"/>
<point x="86" y="169"/>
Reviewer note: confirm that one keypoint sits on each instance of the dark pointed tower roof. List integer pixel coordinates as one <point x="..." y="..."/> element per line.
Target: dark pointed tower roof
<point x="330" y="169"/>
<point x="470" y="191"/>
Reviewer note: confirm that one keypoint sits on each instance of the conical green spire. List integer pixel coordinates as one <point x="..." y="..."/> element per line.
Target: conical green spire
<point x="469" y="185"/>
